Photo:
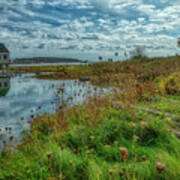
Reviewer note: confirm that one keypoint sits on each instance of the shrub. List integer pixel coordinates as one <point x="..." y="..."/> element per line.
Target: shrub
<point x="171" y="84"/>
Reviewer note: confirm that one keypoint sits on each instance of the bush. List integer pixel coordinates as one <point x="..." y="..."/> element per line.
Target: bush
<point x="171" y="84"/>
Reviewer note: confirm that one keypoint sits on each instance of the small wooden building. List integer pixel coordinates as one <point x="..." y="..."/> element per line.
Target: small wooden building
<point x="4" y="56"/>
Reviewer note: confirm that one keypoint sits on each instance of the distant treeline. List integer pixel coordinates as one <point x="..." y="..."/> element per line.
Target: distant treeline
<point x="45" y="60"/>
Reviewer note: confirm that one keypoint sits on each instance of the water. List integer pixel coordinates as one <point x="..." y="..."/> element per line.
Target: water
<point x="47" y="64"/>
<point x="21" y="97"/>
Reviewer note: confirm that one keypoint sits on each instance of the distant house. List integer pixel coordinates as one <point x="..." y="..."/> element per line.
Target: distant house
<point x="4" y="57"/>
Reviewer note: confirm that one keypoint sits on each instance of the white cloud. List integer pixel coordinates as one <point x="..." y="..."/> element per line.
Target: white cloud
<point x="88" y="26"/>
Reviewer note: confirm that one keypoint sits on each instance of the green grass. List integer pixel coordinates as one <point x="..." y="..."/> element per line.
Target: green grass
<point x="85" y="151"/>
<point x="169" y="104"/>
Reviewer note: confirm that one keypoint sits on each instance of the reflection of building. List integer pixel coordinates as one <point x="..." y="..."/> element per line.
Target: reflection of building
<point x="4" y="60"/>
<point x="4" y="85"/>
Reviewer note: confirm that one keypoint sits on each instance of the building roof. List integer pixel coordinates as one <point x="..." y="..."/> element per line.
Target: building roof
<point x="3" y="48"/>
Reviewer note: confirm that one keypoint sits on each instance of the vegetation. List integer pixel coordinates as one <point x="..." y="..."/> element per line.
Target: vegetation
<point x="128" y="134"/>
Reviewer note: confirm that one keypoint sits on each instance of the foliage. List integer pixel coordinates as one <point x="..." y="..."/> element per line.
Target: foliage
<point x="171" y="84"/>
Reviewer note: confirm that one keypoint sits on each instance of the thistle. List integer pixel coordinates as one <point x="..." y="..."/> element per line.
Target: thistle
<point x="111" y="172"/>
<point x="121" y="173"/>
<point x="160" y="167"/>
<point x="124" y="153"/>
<point x="49" y="154"/>
<point x="143" y="158"/>
<point x="70" y="163"/>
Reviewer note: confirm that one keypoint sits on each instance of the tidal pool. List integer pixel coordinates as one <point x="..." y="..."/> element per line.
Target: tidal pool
<point x="24" y="97"/>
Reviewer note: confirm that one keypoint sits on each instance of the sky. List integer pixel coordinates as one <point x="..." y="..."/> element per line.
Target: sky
<point x="86" y="29"/>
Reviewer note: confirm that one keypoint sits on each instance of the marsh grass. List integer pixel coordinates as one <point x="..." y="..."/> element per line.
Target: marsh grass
<point x="89" y="148"/>
<point x="104" y="138"/>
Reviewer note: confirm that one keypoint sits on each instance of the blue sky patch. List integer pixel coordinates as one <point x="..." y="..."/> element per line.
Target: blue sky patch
<point x="89" y="28"/>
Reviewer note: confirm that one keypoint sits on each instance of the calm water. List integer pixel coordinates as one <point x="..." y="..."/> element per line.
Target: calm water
<point x="46" y="64"/>
<point x="21" y="96"/>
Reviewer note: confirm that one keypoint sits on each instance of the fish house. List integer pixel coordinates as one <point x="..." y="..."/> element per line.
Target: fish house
<point x="4" y="57"/>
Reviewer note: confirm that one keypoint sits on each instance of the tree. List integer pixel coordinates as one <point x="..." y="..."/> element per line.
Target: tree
<point x="100" y="58"/>
<point x="178" y="42"/>
<point x="138" y="52"/>
<point x="116" y="53"/>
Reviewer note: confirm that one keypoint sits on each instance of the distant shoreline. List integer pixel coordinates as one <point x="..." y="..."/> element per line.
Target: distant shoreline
<point x="45" y="64"/>
<point x="41" y="60"/>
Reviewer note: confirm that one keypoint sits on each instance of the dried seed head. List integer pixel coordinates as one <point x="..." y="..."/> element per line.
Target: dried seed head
<point x="49" y="154"/>
<point x="121" y="173"/>
<point x="62" y="148"/>
<point x="74" y="151"/>
<point x="160" y="167"/>
<point x="134" y="125"/>
<point x="124" y="153"/>
<point x="111" y="172"/>
<point x="92" y="138"/>
<point x="10" y="138"/>
<point x="143" y="158"/>
<point x="123" y="150"/>
<point x="135" y="138"/>
<point x="143" y="124"/>
<point x="70" y="163"/>
<point x="107" y="146"/>
<point x="32" y="116"/>
<point x="89" y="152"/>
<point x="116" y="142"/>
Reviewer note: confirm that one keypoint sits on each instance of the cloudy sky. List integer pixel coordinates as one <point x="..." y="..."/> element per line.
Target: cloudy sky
<point x="85" y="29"/>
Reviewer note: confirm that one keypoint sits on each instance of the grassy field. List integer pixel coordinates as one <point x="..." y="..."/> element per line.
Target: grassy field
<point x="106" y="138"/>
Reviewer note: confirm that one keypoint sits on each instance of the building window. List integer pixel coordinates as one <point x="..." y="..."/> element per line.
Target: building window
<point x="5" y="84"/>
<point x="5" y="57"/>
